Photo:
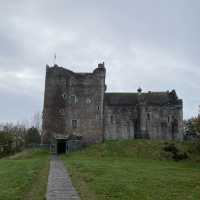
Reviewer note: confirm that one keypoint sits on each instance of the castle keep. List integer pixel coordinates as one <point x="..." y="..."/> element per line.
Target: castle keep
<point x="76" y="105"/>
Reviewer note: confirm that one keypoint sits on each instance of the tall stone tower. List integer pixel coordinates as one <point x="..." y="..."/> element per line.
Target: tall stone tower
<point x="73" y="104"/>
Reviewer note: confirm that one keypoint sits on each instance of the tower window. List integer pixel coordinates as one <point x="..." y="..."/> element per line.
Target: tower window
<point x="64" y="96"/>
<point x="98" y="108"/>
<point x="73" y="99"/>
<point x="74" y="123"/>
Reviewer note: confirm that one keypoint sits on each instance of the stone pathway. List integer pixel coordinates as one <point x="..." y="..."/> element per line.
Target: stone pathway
<point x="59" y="183"/>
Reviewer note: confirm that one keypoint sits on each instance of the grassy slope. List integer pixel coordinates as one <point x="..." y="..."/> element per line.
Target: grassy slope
<point x="24" y="176"/>
<point x="136" y="170"/>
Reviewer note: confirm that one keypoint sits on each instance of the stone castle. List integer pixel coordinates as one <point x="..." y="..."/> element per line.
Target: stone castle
<point x="77" y="105"/>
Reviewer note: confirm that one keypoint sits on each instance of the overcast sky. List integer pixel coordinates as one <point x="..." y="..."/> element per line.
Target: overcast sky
<point x="154" y="44"/>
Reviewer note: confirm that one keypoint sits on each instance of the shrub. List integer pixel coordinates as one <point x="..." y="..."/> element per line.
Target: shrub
<point x="176" y="154"/>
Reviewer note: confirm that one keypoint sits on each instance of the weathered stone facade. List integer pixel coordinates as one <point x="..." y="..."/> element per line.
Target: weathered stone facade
<point x="154" y="115"/>
<point x="76" y="104"/>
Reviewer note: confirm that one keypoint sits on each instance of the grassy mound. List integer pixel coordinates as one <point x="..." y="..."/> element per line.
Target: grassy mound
<point x="24" y="175"/>
<point x="137" y="169"/>
<point x="141" y="149"/>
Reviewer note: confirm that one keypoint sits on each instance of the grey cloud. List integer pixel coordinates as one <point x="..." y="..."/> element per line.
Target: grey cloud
<point x="148" y="43"/>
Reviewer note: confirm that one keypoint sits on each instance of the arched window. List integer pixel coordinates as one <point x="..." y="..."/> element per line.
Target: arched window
<point x="64" y="95"/>
<point x="88" y="101"/>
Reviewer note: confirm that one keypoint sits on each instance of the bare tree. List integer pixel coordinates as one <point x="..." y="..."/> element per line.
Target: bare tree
<point x="37" y="121"/>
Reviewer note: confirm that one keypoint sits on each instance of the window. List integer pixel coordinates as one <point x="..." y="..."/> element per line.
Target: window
<point x="148" y="116"/>
<point x="111" y="119"/>
<point x="74" y="123"/>
<point x="88" y="100"/>
<point x="98" y="108"/>
<point x="64" y="96"/>
<point x="73" y="99"/>
<point x="62" y="111"/>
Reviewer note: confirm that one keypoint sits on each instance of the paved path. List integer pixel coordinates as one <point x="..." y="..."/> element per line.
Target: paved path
<point x="59" y="183"/>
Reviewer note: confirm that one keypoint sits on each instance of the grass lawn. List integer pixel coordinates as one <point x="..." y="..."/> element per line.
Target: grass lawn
<point x="133" y="170"/>
<point x="24" y="175"/>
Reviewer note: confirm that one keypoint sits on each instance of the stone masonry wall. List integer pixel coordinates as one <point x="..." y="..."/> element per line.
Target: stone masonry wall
<point x="73" y="104"/>
<point x="154" y="122"/>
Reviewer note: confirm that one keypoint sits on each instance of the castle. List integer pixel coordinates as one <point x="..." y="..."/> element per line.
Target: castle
<point x="77" y="105"/>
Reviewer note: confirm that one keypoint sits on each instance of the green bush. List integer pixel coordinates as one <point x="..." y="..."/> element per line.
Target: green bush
<point x="176" y="153"/>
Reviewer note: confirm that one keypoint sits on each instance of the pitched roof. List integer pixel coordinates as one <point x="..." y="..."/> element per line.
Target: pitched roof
<point x="121" y="98"/>
<point x="150" y="98"/>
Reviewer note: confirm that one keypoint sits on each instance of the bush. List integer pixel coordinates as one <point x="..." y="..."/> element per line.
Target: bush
<point x="6" y="140"/>
<point x="175" y="152"/>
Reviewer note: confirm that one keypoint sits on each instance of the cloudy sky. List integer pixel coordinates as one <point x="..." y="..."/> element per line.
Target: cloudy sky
<point x="154" y="44"/>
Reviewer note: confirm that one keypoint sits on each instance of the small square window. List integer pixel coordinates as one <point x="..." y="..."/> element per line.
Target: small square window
<point x="73" y="99"/>
<point x="74" y="123"/>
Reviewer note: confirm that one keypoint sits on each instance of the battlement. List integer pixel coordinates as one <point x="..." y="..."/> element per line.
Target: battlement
<point x="56" y="68"/>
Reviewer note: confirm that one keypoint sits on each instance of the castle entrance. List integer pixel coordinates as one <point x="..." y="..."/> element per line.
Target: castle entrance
<point x="65" y="143"/>
<point x="61" y="146"/>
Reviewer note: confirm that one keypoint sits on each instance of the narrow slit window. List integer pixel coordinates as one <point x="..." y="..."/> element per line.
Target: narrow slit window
<point x="148" y="116"/>
<point x="111" y="119"/>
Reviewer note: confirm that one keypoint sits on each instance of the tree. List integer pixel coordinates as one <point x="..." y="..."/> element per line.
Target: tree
<point x="32" y="136"/>
<point x="196" y="123"/>
<point x="192" y="125"/>
<point x="37" y="121"/>
<point x="189" y="127"/>
<point x="6" y="141"/>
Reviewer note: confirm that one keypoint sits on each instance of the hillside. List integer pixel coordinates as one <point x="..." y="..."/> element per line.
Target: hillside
<point x="24" y="175"/>
<point x="137" y="169"/>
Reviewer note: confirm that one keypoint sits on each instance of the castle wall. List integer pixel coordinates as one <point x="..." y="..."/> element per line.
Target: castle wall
<point x="88" y="109"/>
<point x="73" y="104"/>
<point x="119" y="122"/>
<point x="53" y="118"/>
<point x="154" y="122"/>
<point x="159" y="122"/>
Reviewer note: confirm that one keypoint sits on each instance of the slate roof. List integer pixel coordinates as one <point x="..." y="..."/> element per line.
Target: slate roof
<point x="121" y="98"/>
<point x="150" y="98"/>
